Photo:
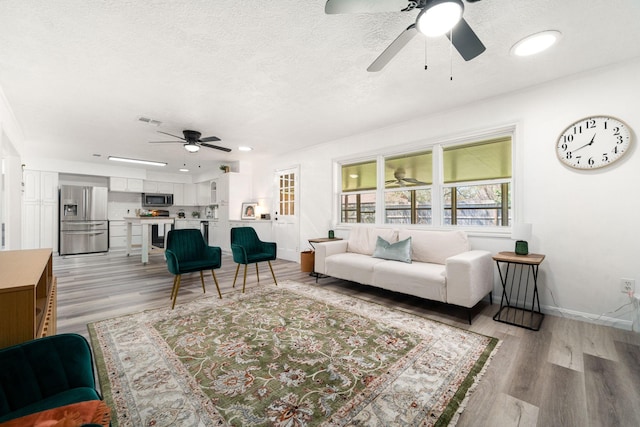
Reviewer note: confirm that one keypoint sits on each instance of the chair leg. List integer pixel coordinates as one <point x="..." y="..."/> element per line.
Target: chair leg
<point x="274" y="276"/>
<point x="175" y="294"/>
<point x="244" y="282"/>
<point x="173" y="289"/>
<point x="257" y="275"/>
<point x="202" y="280"/>
<point x="236" y="276"/>
<point x="216" y="282"/>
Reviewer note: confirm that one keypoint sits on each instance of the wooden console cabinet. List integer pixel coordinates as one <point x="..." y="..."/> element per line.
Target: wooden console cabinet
<point x="27" y="296"/>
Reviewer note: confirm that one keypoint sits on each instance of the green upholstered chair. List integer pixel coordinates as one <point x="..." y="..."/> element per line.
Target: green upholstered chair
<point x="187" y="252"/>
<point x="45" y="373"/>
<point x="247" y="249"/>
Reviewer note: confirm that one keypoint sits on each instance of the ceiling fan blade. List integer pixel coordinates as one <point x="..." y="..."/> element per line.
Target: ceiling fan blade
<point x="162" y="142"/>
<point x="215" y="146"/>
<point x="210" y="139"/>
<point x="364" y="6"/>
<point x="392" y="50"/>
<point x="465" y="41"/>
<point x="175" y="136"/>
<point x="414" y="181"/>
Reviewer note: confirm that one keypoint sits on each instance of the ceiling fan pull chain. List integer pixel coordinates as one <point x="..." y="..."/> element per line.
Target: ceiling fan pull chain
<point x="425" y="54"/>
<point x="451" y="55"/>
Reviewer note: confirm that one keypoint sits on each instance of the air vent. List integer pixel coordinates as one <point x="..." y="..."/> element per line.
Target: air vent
<point x="149" y="121"/>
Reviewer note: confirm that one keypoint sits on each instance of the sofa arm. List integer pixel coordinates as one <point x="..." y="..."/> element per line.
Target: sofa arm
<point x="323" y="250"/>
<point x="469" y="277"/>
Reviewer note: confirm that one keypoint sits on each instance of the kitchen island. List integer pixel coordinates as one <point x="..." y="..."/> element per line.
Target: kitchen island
<point x="146" y="222"/>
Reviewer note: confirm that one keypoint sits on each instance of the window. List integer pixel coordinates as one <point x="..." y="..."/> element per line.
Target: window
<point x="477" y="183"/>
<point x="358" y="198"/>
<point x="407" y="197"/>
<point x="472" y="186"/>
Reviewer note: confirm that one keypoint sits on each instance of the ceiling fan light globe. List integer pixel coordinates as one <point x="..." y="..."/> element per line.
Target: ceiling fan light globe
<point x="192" y="148"/>
<point x="439" y="17"/>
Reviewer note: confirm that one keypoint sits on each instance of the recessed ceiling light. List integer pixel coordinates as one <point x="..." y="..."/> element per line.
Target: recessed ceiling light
<point x="184" y="170"/>
<point x="142" y="162"/>
<point x="244" y="148"/>
<point x="536" y="43"/>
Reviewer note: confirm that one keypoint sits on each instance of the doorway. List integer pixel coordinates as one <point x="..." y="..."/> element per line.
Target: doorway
<point x="286" y="224"/>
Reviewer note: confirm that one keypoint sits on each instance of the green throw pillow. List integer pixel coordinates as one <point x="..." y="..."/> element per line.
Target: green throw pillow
<point x="399" y="251"/>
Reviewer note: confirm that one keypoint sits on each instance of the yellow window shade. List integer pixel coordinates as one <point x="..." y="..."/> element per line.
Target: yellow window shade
<point x="359" y="176"/>
<point x="481" y="161"/>
<point x="409" y="170"/>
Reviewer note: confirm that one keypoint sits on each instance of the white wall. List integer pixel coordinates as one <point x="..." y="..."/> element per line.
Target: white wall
<point x="11" y="143"/>
<point x="585" y="222"/>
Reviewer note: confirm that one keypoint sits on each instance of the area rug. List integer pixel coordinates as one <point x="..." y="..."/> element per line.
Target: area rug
<point x="293" y="355"/>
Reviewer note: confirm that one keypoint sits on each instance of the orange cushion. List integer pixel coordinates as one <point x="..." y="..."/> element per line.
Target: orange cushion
<point x="74" y="415"/>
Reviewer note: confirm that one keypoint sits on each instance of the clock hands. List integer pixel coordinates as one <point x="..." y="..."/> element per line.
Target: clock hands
<point x="586" y="145"/>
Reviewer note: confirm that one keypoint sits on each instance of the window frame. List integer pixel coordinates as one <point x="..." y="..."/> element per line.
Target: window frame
<point x="437" y="187"/>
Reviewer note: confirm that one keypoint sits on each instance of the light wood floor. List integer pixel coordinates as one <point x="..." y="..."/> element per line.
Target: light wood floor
<point x="569" y="373"/>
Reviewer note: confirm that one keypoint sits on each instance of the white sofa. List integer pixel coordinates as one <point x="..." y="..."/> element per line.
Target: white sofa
<point x="442" y="268"/>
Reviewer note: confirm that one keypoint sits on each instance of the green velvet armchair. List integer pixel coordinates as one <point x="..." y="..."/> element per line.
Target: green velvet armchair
<point x="247" y="249"/>
<point x="187" y="252"/>
<point x="45" y="373"/>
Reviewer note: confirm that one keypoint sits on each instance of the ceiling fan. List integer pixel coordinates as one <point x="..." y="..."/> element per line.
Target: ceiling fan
<point x="401" y="180"/>
<point x="192" y="141"/>
<point x="436" y="18"/>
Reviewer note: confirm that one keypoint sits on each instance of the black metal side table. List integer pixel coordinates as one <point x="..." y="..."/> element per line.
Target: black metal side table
<point x="519" y="278"/>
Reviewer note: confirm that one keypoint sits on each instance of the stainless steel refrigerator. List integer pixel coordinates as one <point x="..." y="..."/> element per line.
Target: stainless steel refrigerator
<point x="84" y="227"/>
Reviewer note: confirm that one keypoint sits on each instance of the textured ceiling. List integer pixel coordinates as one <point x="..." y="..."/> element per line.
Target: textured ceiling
<point x="274" y="75"/>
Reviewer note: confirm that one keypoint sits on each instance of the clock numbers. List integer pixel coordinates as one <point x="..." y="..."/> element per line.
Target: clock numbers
<point x="593" y="142"/>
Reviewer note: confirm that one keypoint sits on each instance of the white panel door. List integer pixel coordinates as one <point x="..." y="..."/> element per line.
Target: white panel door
<point x="286" y="221"/>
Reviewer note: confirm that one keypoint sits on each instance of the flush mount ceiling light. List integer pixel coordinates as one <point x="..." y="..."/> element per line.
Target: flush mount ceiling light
<point x="244" y="148"/>
<point x="142" y="162"/>
<point x="183" y="170"/>
<point x="192" y="148"/>
<point x="536" y="43"/>
<point x="439" y="16"/>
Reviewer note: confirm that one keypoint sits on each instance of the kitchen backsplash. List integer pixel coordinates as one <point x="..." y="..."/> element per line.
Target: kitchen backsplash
<point x="122" y="205"/>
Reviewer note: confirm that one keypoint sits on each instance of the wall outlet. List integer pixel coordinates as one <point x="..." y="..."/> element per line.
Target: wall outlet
<point x="627" y="285"/>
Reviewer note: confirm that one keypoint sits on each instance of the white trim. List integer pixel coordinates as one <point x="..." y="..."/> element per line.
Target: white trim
<point x="436" y="146"/>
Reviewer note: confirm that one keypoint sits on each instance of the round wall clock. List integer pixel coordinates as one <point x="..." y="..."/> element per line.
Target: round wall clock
<point x="593" y="142"/>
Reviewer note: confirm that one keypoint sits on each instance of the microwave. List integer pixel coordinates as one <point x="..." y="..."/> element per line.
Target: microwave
<point x="150" y="200"/>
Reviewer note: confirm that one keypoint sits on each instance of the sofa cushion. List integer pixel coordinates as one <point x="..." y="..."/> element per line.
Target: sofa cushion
<point x="349" y="266"/>
<point x="399" y="251"/>
<point x="362" y="240"/>
<point x="435" y="246"/>
<point x="424" y="280"/>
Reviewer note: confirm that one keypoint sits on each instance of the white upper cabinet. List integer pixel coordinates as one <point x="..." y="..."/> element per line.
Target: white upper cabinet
<point x="158" y="187"/>
<point x="128" y="185"/>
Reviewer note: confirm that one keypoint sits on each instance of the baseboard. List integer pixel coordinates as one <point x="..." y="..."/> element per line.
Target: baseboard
<point x="588" y="317"/>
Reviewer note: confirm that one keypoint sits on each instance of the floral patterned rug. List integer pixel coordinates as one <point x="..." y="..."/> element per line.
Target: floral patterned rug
<point x="294" y="356"/>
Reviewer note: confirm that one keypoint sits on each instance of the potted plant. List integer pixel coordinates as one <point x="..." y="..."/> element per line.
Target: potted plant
<point x="225" y="168"/>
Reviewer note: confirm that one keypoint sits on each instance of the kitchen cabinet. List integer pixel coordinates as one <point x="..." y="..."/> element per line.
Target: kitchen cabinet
<point x="127" y="185"/>
<point x="189" y="194"/>
<point x="263" y="228"/>
<point x="178" y="194"/>
<point x="40" y="210"/>
<point x="203" y="193"/>
<point x="118" y="234"/>
<point x="232" y="189"/>
<point x="157" y="187"/>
